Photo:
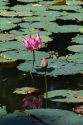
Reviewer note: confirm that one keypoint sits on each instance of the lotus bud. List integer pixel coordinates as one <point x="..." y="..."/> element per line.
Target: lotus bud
<point x="44" y="63"/>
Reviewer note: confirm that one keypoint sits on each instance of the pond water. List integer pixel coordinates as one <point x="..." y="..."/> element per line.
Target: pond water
<point x="12" y="78"/>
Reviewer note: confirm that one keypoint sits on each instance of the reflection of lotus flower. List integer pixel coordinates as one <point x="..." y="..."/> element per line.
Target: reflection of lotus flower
<point x="32" y="43"/>
<point x="32" y="102"/>
<point x="44" y="63"/>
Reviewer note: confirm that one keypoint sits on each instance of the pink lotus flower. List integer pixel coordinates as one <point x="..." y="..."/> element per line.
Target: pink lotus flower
<point x="44" y="63"/>
<point x="32" y="43"/>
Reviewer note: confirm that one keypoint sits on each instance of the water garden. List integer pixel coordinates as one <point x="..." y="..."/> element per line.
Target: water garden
<point x="41" y="62"/>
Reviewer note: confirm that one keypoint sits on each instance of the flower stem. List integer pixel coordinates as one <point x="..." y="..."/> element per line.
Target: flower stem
<point x="33" y="60"/>
<point x="46" y="87"/>
<point x="33" y="66"/>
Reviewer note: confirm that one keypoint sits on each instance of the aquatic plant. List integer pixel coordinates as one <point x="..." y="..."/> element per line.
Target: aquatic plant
<point x="32" y="44"/>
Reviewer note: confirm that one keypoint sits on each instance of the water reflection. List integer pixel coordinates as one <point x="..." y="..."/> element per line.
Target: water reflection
<point x="12" y="79"/>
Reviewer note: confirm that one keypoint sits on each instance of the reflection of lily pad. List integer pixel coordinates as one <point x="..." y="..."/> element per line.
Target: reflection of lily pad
<point x="68" y="96"/>
<point x="25" y="90"/>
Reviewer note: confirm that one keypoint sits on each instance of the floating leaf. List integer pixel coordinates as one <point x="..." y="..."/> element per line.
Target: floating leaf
<point x="39" y="18"/>
<point x="76" y="58"/>
<point x="68" y="96"/>
<point x="7" y="62"/>
<point x="7" y="26"/>
<point x="81" y="30"/>
<point x="18" y="118"/>
<point x="74" y="2"/>
<point x="55" y="67"/>
<point x="29" y="1"/>
<point x="78" y="39"/>
<point x="57" y="116"/>
<point x="25" y="54"/>
<point x="6" y="37"/>
<point x="63" y="28"/>
<point x="3" y="112"/>
<point x="65" y="7"/>
<point x="28" y="7"/>
<point x="49" y="14"/>
<point x="76" y="48"/>
<point x="11" y="45"/>
<point x="25" y="90"/>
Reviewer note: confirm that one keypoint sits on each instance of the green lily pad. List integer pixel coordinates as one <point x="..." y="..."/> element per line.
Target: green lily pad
<point x="24" y="13"/>
<point x="55" y="67"/>
<point x="15" y="13"/>
<point x="41" y="117"/>
<point x="7" y="13"/>
<point x="49" y="14"/>
<point x="10" y="20"/>
<point x="68" y="96"/>
<point x="74" y="2"/>
<point x="25" y="55"/>
<point x="63" y="28"/>
<point x="6" y="37"/>
<point x="76" y="48"/>
<point x="7" y="26"/>
<point x="3" y="7"/>
<point x="2" y="112"/>
<point x="81" y="30"/>
<point x="37" y="25"/>
<point x="28" y="7"/>
<point x="66" y="7"/>
<point x="72" y="16"/>
<point x="7" y="62"/>
<point x="11" y="45"/>
<point x="17" y="32"/>
<point x="39" y="18"/>
<point x="57" y="116"/>
<point x="18" y="118"/>
<point x="25" y="90"/>
<point x="29" y="1"/>
<point x="78" y="39"/>
<point x="76" y="58"/>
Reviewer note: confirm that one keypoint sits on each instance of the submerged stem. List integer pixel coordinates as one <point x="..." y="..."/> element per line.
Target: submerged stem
<point x="46" y="87"/>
